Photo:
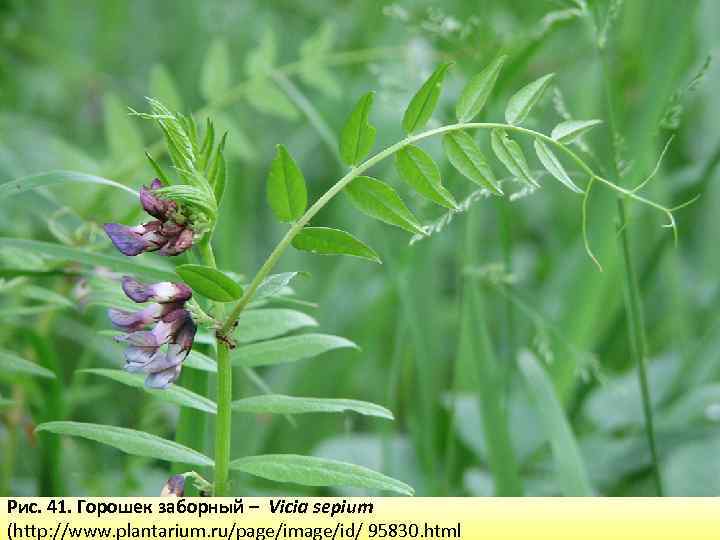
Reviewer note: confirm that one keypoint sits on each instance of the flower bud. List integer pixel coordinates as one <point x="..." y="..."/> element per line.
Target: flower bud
<point x="154" y="205"/>
<point x="174" y="487"/>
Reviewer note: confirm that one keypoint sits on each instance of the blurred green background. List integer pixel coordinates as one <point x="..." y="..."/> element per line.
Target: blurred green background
<point x="442" y="322"/>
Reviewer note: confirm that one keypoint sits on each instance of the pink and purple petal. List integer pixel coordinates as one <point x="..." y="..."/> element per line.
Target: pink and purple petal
<point x="128" y="240"/>
<point x="163" y="379"/>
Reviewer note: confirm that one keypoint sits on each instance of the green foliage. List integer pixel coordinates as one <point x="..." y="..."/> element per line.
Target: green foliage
<point x="90" y="258"/>
<point x="511" y="156"/>
<point x="424" y="101"/>
<point x="327" y="241"/>
<point x="174" y="394"/>
<point x="571" y="472"/>
<point x="288" y="349"/>
<point x="569" y="421"/>
<point x="122" y="134"/>
<point x="54" y="178"/>
<point x="313" y="51"/>
<point x="215" y="76"/>
<point x="553" y="166"/>
<point x="311" y="471"/>
<point x="521" y="103"/>
<point x="210" y="282"/>
<point x="278" y="404"/>
<point x="568" y="131"/>
<point x="418" y="169"/>
<point x="378" y="200"/>
<point x="358" y="135"/>
<point x="130" y="441"/>
<point x="466" y="156"/>
<point x="286" y="191"/>
<point x="261" y="324"/>
<point x="12" y="364"/>
<point x="274" y="284"/>
<point x="164" y="88"/>
<point x="478" y="90"/>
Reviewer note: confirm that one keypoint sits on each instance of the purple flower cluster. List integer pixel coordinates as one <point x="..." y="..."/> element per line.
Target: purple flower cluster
<point x="159" y="351"/>
<point x="168" y="234"/>
<point x="173" y="326"/>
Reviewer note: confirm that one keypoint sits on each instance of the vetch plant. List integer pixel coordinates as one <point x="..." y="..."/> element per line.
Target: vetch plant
<point x="186" y="205"/>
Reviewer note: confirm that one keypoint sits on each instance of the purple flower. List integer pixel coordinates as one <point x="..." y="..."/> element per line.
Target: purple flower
<point x="174" y="487"/>
<point x="164" y="235"/>
<point x="131" y="321"/>
<point x="163" y="293"/>
<point x="161" y="350"/>
<point x="133" y="241"/>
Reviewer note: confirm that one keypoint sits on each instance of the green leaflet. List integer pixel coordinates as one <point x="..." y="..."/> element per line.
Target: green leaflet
<point x="477" y="91"/>
<point x="424" y="101"/>
<point x="288" y="349"/>
<point x="419" y="170"/>
<point x="465" y="155"/>
<point x="553" y="166"/>
<point x="378" y="200"/>
<point x="210" y="282"/>
<point x="524" y="100"/>
<point x="13" y="364"/>
<point x="130" y="441"/>
<point x="312" y="471"/>
<point x="279" y="404"/>
<point x="260" y="324"/>
<point x="173" y="394"/>
<point x="358" y="135"/>
<point x="215" y="75"/>
<point x="274" y="284"/>
<point x="327" y="241"/>
<point x="286" y="191"/>
<point x="511" y="156"/>
<point x="566" y="132"/>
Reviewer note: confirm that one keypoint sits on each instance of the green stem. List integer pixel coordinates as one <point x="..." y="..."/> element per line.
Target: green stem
<point x="633" y="302"/>
<point x="296" y="227"/>
<point x="638" y="341"/>
<point x="223" y="420"/>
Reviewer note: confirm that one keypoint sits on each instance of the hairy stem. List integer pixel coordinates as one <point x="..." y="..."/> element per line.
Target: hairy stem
<point x="223" y="419"/>
<point x="354" y="172"/>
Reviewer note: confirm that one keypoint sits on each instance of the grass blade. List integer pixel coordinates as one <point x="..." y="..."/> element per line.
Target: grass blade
<point x="569" y="464"/>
